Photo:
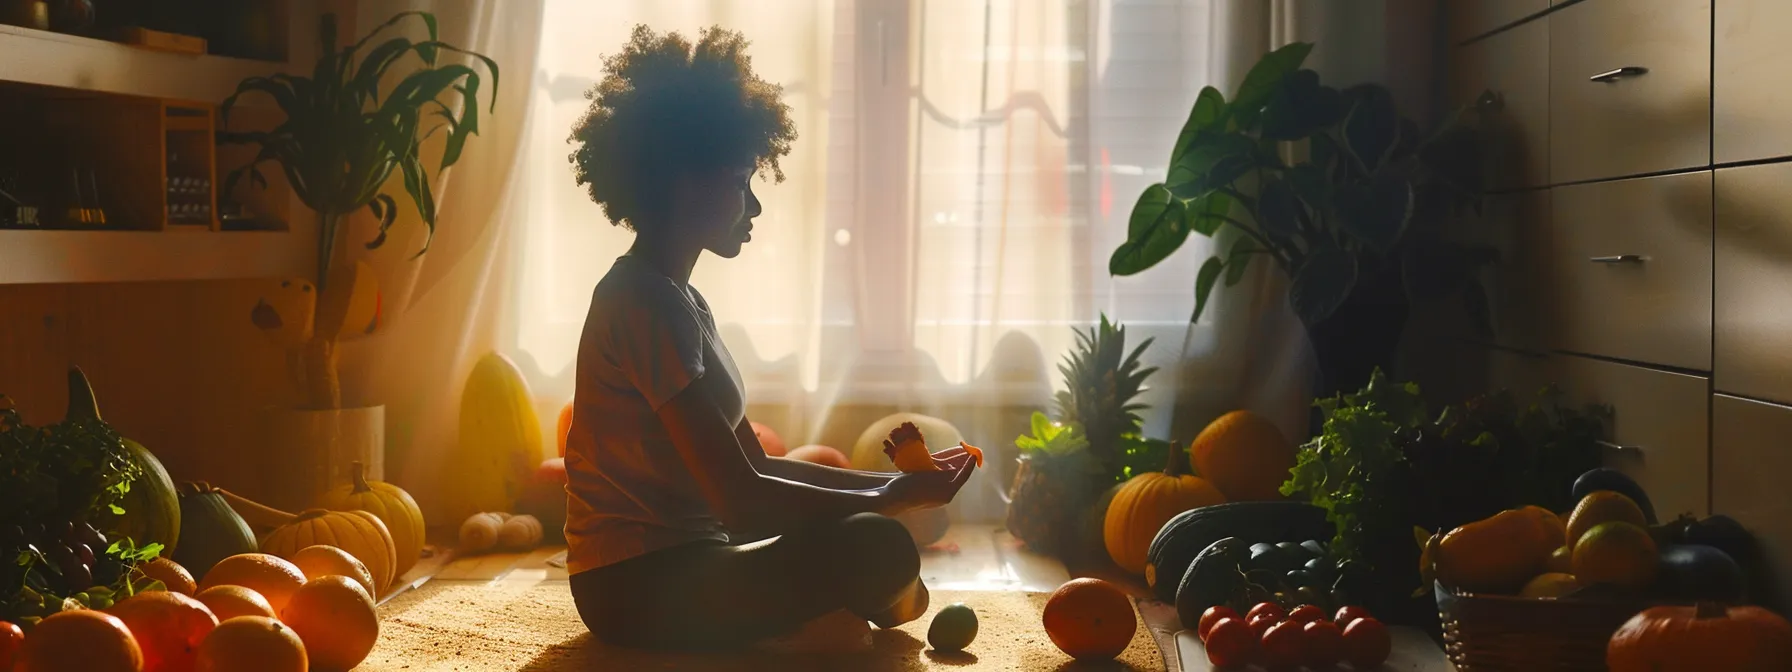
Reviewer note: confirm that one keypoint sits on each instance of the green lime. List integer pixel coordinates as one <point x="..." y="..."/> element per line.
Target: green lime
<point x="953" y="628"/>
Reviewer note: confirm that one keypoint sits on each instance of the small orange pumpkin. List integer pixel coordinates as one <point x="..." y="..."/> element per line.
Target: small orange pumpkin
<point x="1707" y="637"/>
<point x="392" y="505"/>
<point x="1145" y="503"/>
<point x="360" y="533"/>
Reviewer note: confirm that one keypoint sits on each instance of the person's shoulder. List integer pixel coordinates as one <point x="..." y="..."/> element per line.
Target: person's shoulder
<point x="631" y="290"/>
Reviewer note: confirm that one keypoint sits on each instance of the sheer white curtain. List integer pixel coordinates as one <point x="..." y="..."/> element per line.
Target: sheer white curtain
<point x="964" y="169"/>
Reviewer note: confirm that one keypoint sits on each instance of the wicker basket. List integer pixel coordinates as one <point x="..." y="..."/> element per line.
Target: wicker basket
<point x="1502" y="633"/>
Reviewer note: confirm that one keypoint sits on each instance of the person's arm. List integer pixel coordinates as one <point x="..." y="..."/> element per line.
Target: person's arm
<point x="818" y="475"/>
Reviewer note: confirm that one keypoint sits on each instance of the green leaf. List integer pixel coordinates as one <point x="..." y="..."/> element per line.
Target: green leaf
<point x="1153" y="233"/>
<point x="1206" y="114"/>
<point x="1223" y="173"/>
<point x="1376" y="212"/>
<point x="1206" y="214"/>
<point x="1301" y="107"/>
<point x="1261" y="82"/>
<point x="1204" y="280"/>
<point x="1322" y="284"/>
<point x="1311" y="185"/>
<point x="1278" y="211"/>
<point x="1238" y="260"/>
<point x="1372" y="127"/>
<point x="1201" y="156"/>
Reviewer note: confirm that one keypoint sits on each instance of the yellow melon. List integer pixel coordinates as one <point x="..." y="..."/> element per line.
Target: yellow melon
<point x="500" y="441"/>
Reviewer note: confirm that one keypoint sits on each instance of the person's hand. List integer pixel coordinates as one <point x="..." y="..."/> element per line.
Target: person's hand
<point x="929" y="489"/>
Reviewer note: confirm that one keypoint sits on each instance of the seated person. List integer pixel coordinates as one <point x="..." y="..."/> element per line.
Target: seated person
<point x="668" y="485"/>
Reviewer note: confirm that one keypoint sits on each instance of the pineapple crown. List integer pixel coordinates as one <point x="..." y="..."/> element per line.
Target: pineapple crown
<point x="1101" y="380"/>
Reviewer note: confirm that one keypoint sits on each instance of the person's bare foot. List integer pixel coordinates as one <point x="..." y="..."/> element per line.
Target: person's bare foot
<point x="910" y="607"/>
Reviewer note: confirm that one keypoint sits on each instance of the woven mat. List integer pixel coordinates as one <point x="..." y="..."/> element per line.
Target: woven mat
<point x="502" y="626"/>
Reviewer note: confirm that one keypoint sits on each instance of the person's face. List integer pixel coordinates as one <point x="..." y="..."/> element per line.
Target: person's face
<point x="721" y="207"/>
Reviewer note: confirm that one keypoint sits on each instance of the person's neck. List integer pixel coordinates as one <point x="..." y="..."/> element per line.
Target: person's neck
<point x="665" y="255"/>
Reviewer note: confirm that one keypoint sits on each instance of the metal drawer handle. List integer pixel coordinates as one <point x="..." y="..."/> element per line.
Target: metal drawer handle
<point x="1620" y="73"/>
<point x="1618" y="259"/>
<point x="1617" y="448"/>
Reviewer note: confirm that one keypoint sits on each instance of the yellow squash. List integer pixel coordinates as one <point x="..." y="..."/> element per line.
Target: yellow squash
<point x="1495" y="555"/>
<point x="500" y="441"/>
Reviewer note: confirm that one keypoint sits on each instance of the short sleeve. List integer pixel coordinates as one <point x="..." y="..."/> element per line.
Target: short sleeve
<point x="656" y="340"/>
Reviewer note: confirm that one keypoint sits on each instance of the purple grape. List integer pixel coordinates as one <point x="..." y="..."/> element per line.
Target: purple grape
<point x="64" y="531"/>
<point x="84" y="554"/>
<point x="86" y="534"/>
<point x="76" y="575"/>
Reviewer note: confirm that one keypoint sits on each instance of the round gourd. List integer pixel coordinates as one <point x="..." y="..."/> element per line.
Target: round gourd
<point x="1190" y="532"/>
<point x="479" y="532"/>
<point x="358" y="532"/>
<point x="1145" y="503"/>
<point x="392" y="505"/>
<point x="1706" y="637"/>
<point x="500" y="441"/>
<point x="210" y="529"/>
<point x="151" y="508"/>
<point x="519" y="533"/>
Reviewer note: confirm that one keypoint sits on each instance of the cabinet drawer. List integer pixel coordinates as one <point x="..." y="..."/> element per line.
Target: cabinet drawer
<point x="1512" y="69"/>
<point x="1752" y="291"/>
<point x="1471" y="18"/>
<point x="1629" y="88"/>
<point x="1659" y="424"/>
<point x="1630" y="269"/>
<point x="1749" y="463"/>
<point x="1749" y="96"/>
<point x="1516" y="224"/>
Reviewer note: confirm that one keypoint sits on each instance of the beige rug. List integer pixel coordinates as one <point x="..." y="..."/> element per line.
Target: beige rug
<point x="512" y="626"/>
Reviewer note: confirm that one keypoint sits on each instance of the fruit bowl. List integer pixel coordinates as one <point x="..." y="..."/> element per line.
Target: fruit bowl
<point x="1506" y="632"/>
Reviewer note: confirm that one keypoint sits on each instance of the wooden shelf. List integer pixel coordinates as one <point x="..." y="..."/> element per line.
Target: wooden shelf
<point x="74" y="62"/>
<point x="40" y="257"/>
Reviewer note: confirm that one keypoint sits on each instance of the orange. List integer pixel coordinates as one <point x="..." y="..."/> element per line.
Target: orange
<point x="1562" y="560"/>
<point x="336" y="621"/>
<point x="1244" y="455"/>
<point x="1089" y="619"/>
<point x="1602" y="506"/>
<point x="321" y="560"/>
<point x="1550" y="586"/>
<point x="1617" y="553"/>
<point x="168" y="627"/>
<point x="274" y="578"/>
<point x="251" y="644"/>
<point x="228" y="602"/>
<point x="80" y="641"/>
<point x="173" y="576"/>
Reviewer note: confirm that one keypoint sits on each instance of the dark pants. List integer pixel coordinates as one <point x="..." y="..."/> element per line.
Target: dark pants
<point x="709" y="595"/>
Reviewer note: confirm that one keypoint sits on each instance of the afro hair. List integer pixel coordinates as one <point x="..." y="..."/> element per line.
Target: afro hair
<point x="667" y="108"/>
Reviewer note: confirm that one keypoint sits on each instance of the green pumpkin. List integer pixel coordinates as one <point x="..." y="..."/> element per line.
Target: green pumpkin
<point x="151" y="509"/>
<point x="210" y="529"/>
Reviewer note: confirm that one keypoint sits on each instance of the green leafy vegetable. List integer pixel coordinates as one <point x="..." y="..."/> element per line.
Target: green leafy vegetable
<point x="1052" y="438"/>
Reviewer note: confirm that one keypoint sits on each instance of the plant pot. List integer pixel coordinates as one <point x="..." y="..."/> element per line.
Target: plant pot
<point x="314" y="450"/>
<point x="1363" y="334"/>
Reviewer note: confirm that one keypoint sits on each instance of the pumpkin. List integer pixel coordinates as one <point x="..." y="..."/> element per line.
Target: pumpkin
<point x="209" y="529"/>
<point x="1189" y="533"/>
<point x="392" y="505"/>
<point x="479" y="532"/>
<point x="500" y="441"/>
<point x="1245" y="456"/>
<point x="519" y="533"/>
<point x="562" y="427"/>
<point x="1147" y="501"/>
<point x="1707" y="637"/>
<point x="358" y="532"/>
<point x="151" y="508"/>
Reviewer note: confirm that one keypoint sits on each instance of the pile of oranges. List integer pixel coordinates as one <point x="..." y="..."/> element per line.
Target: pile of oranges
<point x="252" y="612"/>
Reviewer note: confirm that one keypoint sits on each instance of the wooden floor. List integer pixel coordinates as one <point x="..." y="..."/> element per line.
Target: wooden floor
<point x="971" y="557"/>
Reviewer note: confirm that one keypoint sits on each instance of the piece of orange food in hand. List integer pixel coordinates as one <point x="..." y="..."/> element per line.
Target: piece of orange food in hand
<point x="908" y="450"/>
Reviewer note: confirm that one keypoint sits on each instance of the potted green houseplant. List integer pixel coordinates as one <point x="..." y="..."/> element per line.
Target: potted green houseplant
<point x="346" y="132"/>
<point x="1355" y="221"/>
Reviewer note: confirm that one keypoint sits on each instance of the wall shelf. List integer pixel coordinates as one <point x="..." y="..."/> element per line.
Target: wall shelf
<point x="41" y="257"/>
<point x="74" y="62"/>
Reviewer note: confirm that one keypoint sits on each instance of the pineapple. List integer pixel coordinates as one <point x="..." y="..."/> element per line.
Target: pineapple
<point x="1051" y="486"/>
<point x="1101" y="387"/>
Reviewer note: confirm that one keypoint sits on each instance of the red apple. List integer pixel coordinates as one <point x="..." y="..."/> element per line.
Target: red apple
<point x="822" y="455"/>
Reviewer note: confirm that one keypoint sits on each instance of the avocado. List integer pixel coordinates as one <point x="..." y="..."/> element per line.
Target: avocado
<point x="1607" y="478"/>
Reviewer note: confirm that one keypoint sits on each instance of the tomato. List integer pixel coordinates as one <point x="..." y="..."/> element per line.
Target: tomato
<point x="1284" y="646"/>
<point x="1230" y="643"/>
<point x="1348" y="614"/>
<point x="1266" y="608"/>
<point x="1324" y="644"/>
<point x="1306" y="613"/>
<point x="1366" y="643"/>
<point x="1263" y="622"/>
<point x="11" y="638"/>
<point x="1212" y="616"/>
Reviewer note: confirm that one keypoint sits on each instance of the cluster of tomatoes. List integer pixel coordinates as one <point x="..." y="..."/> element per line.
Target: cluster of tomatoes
<point x="1284" y="640"/>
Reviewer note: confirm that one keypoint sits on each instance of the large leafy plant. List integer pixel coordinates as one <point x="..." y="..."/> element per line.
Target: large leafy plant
<point x="1368" y="195"/>
<point x="345" y="134"/>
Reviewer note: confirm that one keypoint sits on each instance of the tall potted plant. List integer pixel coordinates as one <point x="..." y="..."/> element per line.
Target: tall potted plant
<point x="344" y="135"/>
<point x="1346" y="196"/>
